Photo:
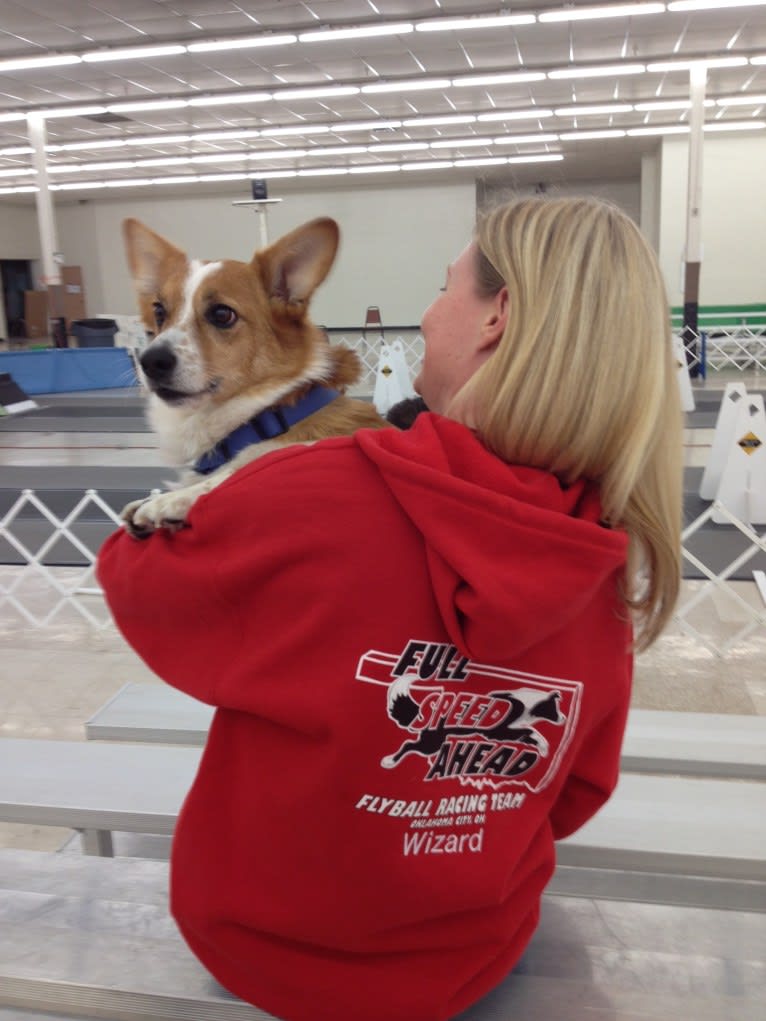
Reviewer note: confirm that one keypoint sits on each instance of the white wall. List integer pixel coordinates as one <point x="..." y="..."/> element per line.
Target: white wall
<point x="733" y="218"/>
<point x="395" y="242"/>
<point x="19" y="238"/>
<point x="623" y="192"/>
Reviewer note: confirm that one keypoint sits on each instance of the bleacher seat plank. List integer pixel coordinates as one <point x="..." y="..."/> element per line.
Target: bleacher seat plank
<point x="662" y="824"/>
<point x="695" y="744"/>
<point x="91" y="938"/>
<point x="96" y="788"/>
<point x="656" y="741"/>
<point x="670" y="824"/>
<point x="154" y="713"/>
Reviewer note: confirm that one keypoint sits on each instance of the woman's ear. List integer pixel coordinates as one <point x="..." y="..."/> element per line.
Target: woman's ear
<point x="496" y="321"/>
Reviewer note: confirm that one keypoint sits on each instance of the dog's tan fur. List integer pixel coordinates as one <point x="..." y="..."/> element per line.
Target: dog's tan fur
<point x="272" y="354"/>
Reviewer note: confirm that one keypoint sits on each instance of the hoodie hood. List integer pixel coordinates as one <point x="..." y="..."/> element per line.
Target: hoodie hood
<point x="512" y="555"/>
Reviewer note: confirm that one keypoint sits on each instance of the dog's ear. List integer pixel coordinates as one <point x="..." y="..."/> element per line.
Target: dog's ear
<point x="150" y="256"/>
<point x="293" y="267"/>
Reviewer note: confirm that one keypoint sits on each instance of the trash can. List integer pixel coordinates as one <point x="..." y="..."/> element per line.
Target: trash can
<point x="94" y="332"/>
<point x="58" y="331"/>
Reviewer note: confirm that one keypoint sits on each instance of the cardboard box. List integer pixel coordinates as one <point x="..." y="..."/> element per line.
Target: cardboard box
<point x="36" y="314"/>
<point x="66" y="299"/>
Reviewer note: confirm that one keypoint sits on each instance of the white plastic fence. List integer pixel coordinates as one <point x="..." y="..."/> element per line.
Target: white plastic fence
<point x="39" y="593"/>
<point x="727" y="347"/>
<point x="368" y="347"/>
<point x="753" y="617"/>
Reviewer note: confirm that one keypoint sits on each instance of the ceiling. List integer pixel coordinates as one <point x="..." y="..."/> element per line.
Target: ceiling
<point x="235" y="113"/>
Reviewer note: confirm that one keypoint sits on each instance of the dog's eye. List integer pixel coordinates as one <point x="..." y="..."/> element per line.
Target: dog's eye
<point x="222" y="316"/>
<point x="160" y="315"/>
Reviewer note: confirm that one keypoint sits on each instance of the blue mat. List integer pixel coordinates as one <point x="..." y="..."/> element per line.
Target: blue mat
<point x="62" y="370"/>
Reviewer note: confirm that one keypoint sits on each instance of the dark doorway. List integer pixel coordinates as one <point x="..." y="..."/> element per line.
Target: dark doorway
<point x="16" y="278"/>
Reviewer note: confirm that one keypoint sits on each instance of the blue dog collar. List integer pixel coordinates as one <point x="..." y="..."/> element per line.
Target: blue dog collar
<point x="267" y="425"/>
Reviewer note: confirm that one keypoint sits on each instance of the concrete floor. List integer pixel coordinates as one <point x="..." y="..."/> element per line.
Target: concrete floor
<point x="53" y="679"/>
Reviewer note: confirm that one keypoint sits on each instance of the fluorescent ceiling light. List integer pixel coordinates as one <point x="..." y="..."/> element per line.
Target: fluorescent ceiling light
<point x="132" y="53"/>
<point x="72" y="111"/>
<point x="323" y="172"/>
<point x="184" y="179"/>
<point x="223" y="177"/>
<point x="320" y="92"/>
<point x="6" y="118"/>
<point x="712" y="5"/>
<point x="338" y="150"/>
<point x="759" y="60"/>
<point x="18" y="150"/>
<point x="477" y="21"/>
<point x="434" y="122"/>
<point x="243" y="43"/>
<point x="587" y="136"/>
<point x="397" y="147"/>
<point x="523" y="139"/>
<point x="78" y="185"/>
<point x="668" y="129"/>
<point x="596" y="72"/>
<point x="382" y="168"/>
<point x="408" y="86"/>
<point x="328" y="35"/>
<point x="586" y="111"/>
<point x="76" y="168"/>
<point x="25" y="63"/>
<point x="612" y="11"/>
<point x="515" y="115"/>
<point x="20" y="172"/>
<point x="741" y="100"/>
<point x="106" y="143"/>
<point x="735" y="126"/>
<point x="148" y="104"/>
<point x="136" y="182"/>
<point x="668" y="104"/>
<point x="459" y="143"/>
<point x="269" y="175"/>
<point x="503" y="78"/>
<point x="428" y="165"/>
<point x="548" y="158"/>
<point x="231" y="97"/>
<point x="687" y="65"/>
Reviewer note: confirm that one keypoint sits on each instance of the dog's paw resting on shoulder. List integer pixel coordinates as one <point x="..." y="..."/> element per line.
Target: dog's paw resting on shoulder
<point x="166" y="510"/>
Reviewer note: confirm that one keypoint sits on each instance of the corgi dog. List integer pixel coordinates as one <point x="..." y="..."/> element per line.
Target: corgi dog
<point x="235" y="367"/>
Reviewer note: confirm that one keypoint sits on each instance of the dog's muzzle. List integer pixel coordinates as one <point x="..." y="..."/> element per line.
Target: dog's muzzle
<point x="159" y="363"/>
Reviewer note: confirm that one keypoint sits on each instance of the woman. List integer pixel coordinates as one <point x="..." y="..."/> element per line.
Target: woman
<point x="420" y="642"/>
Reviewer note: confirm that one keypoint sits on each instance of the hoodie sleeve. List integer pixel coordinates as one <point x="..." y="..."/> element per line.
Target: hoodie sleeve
<point x="162" y="597"/>
<point x="593" y="776"/>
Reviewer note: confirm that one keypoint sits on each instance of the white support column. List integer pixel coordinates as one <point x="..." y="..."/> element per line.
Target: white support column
<point x="697" y="82"/>
<point x="693" y="253"/>
<point x="49" y="246"/>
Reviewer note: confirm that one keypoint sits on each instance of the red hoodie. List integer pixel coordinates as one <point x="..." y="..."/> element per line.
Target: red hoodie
<point x="422" y="672"/>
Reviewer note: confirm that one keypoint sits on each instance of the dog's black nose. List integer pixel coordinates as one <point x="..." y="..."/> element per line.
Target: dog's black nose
<point x="158" y="362"/>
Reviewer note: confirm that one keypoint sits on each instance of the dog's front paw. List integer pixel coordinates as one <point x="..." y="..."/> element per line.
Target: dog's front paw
<point x="167" y="510"/>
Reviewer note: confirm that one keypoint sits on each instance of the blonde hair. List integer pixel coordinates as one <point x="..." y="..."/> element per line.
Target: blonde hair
<point x="583" y="382"/>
